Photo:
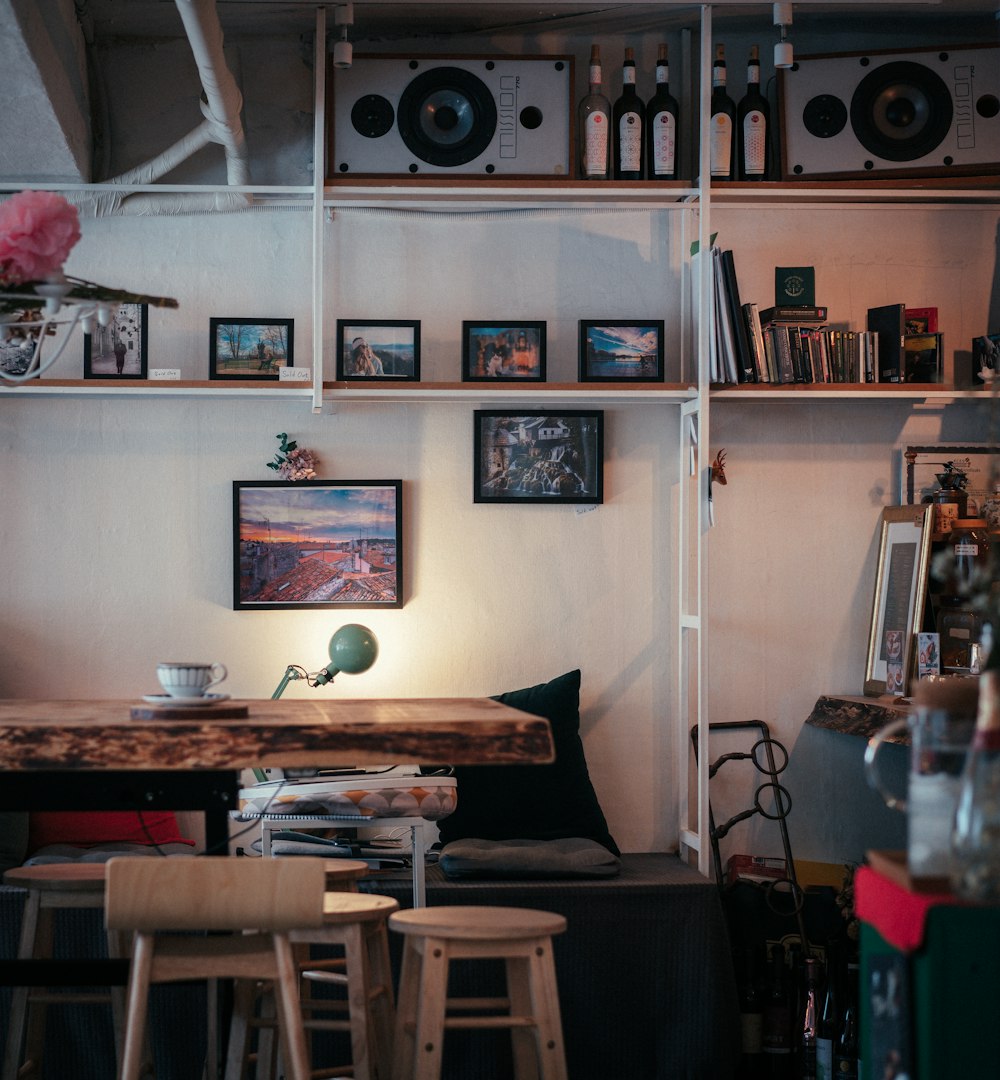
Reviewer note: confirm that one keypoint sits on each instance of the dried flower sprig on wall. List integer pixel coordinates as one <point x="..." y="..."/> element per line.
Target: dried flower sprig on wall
<point x="291" y="463"/>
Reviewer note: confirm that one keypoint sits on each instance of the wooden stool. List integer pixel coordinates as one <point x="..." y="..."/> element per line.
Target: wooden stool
<point x="522" y="937"/>
<point x="357" y="923"/>
<point x="171" y="903"/>
<point x="50" y="887"/>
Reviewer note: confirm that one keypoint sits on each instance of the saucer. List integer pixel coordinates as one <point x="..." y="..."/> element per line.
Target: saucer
<point x="168" y="699"/>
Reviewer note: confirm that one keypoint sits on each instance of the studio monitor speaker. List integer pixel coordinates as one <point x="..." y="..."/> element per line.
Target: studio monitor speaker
<point x="930" y="112"/>
<point x="436" y="115"/>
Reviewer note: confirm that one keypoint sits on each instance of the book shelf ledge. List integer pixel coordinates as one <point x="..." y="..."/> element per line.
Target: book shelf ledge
<point x="840" y="391"/>
<point x="492" y="393"/>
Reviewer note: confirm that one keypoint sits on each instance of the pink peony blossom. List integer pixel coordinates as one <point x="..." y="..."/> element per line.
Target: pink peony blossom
<point x="37" y="232"/>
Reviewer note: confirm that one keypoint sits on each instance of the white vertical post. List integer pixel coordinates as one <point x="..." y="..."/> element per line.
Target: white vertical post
<point x="319" y="210"/>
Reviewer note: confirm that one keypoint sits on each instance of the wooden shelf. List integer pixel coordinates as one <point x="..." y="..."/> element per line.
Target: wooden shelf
<point x="156" y="387"/>
<point x="499" y="392"/>
<point x="843" y="391"/>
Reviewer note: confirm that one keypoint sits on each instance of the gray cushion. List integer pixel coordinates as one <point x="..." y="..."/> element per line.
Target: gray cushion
<point x="572" y="857"/>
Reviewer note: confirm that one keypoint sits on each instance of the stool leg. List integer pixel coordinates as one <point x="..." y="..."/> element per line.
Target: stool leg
<point x="545" y="1007"/>
<point x="286" y="988"/>
<point x="19" y="1000"/>
<point x="138" y="1002"/>
<point x="406" y="1011"/>
<point x="383" y="1009"/>
<point x="431" y="1006"/>
<point x="525" y="1041"/>
<point x="359" y="1001"/>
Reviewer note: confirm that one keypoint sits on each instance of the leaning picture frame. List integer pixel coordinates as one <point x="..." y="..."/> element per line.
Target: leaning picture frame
<point x="538" y="457"/>
<point x="118" y="350"/>
<point x="901" y="580"/>
<point x="313" y="544"/>
<point x="507" y="351"/>
<point x="616" y="351"/>
<point x="251" y="349"/>
<point x="383" y="350"/>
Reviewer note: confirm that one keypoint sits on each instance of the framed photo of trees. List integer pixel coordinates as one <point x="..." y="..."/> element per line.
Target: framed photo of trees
<point x="254" y="349"/>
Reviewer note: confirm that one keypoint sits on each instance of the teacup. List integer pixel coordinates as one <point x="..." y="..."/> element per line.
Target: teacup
<point x="189" y="679"/>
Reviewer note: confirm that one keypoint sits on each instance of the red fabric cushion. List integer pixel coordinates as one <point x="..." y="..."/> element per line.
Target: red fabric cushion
<point x="149" y="827"/>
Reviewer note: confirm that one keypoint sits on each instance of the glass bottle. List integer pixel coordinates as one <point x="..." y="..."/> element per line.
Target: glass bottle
<point x="627" y="119"/>
<point x="976" y="832"/>
<point x="753" y="124"/>
<point x="594" y="125"/>
<point x="845" y="1049"/>
<point x="722" y="132"/>
<point x="809" y="1027"/>
<point x="751" y="1017"/>
<point x="661" y="125"/>
<point x="777" y="1019"/>
<point x="826" y="1027"/>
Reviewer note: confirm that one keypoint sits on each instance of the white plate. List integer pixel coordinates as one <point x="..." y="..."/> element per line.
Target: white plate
<point x="167" y="699"/>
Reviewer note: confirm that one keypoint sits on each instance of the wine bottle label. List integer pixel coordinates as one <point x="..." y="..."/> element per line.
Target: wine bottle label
<point x="721" y="144"/>
<point x="967" y="549"/>
<point x="595" y="74"/>
<point x="595" y="136"/>
<point x="754" y="127"/>
<point x="662" y="74"/>
<point x="628" y="76"/>
<point x="753" y="75"/>
<point x="718" y="76"/>
<point x="630" y="141"/>
<point x="663" y="130"/>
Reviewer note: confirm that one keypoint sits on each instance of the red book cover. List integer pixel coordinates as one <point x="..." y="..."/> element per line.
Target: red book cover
<point x="921" y="320"/>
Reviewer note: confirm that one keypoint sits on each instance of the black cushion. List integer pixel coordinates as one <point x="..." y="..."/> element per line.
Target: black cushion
<point x="533" y="802"/>
<point x="572" y="857"/>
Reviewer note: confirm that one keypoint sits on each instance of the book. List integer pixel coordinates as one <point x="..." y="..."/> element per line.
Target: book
<point x="923" y="358"/>
<point x="744" y="357"/>
<point x="888" y="323"/>
<point x="794" y="285"/>
<point x="805" y="313"/>
<point x="921" y="320"/>
<point x="755" y="337"/>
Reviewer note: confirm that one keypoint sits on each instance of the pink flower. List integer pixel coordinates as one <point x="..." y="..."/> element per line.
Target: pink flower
<point x="37" y="231"/>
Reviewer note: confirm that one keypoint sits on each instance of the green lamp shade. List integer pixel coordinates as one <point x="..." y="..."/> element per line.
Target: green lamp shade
<point x="353" y="649"/>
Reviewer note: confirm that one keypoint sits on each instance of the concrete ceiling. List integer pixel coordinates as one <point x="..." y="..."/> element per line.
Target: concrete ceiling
<point x="46" y="80"/>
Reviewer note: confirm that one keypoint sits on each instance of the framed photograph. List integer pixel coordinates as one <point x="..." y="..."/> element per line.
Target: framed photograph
<point x="250" y="348"/>
<point x="375" y="351"/>
<point x="921" y="464"/>
<point x="118" y="350"/>
<point x="513" y="351"/>
<point x="900" y="591"/>
<point x="317" y="544"/>
<point x="541" y="457"/>
<point x="621" y="351"/>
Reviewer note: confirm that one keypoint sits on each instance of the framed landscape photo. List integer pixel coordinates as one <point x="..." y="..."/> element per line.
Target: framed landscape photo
<point x="118" y="350"/>
<point x="621" y="351"/>
<point x="317" y="544"/>
<point x="252" y="349"/>
<point x="539" y="457"/>
<point x="376" y="351"/>
<point x="512" y="351"/>
<point x="900" y="590"/>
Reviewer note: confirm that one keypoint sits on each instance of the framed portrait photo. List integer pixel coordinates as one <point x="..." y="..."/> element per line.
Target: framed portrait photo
<point x="900" y="591"/>
<point x="317" y="544"/>
<point x="621" y="351"/>
<point x="511" y="351"/>
<point x="118" y="350"/>
<point x="540" y="457"/>
<point x="377" y="351"/>
<point x="252" y="349"/>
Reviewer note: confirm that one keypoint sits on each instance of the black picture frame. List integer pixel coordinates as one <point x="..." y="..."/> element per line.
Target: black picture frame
<point x="545" y="456"/>
<point x="495" y="350"/>
<point x="378" y="350"/>
<point x="128" y="327"/>
<point x="618" y="351"/>
<point x="250" y="349"/>
<point x="312" y="544"/>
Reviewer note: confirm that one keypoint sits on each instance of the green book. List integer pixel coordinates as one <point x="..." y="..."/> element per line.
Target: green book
<point x="794" y="285"/>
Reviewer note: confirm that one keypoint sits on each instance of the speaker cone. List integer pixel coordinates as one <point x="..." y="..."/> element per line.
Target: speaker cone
<point x="446" y="116"/>
<point x="901" y="111"/>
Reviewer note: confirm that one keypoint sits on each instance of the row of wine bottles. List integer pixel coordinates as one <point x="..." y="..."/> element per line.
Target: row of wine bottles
<point x="633" y="140"/>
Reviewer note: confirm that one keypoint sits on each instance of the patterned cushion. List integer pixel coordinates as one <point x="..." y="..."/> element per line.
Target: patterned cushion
<point x="429" y="797"/>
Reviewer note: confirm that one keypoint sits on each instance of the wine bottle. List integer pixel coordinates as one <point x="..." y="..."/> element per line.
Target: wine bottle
<point x="809" y="1028"/>
<point x="753" y="121"/>
<point x="826" y="1030"/>
<point x="661" y="125"/>
<point x="627" y="119"/>
<point x="845" y="1050"/>
<point x="777" y="1034"/>
<point x="594" y="125"/>
<point x="722" y="130"/>
<point x="751" y="1018"/>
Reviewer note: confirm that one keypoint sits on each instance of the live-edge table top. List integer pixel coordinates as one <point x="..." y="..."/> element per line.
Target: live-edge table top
<point x="101" y="735"/>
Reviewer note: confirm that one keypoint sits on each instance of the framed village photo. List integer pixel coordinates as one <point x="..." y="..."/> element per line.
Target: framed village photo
<point x="621" y="351"/>
<point x="512" y="351"/>
<point x="251" y="349"/>
<point x="539" y="457"/>
<point x="118" y="350"/>
<point x="387" y="349"/>
<point x="317" y="544"/>
<point x="900" y="591"/>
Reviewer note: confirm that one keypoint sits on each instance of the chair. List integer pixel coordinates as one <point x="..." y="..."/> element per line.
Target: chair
<point x="178" y="907"/>
<point x="522" y="937"/>
<point x="49" y="888"/>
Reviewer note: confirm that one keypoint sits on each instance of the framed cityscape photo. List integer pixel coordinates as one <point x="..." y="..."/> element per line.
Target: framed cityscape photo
<point x="251" y="349"/>
<point x="512" y="351"/>
<point x="118" y="350"/>
<point x="317" y="544"/>
<point x="376" y="351"/>
<point x="621" y="351"/>
<point x="538" y="457"/>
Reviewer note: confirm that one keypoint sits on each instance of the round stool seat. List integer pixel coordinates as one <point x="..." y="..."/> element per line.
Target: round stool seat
<point x="478" y="923"/>
<point x="346" y="907"/>
<point x="344" y="873"/>
<point x="58" y="877"/>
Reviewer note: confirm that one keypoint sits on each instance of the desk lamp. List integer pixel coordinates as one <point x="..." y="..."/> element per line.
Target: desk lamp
<point x="353" y="649"/>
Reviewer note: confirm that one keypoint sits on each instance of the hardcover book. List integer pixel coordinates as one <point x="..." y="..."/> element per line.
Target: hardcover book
<point x="794" y="285"/>
<point x="794" y="313"/>
<point x="888" y="323"/>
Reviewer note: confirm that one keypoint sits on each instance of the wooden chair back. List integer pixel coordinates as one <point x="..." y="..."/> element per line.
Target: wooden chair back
<point x="214" y="893"/>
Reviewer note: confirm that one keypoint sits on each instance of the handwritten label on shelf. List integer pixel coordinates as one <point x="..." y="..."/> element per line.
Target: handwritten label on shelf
<point x="165" y="373"/>
<point x="294" y="374"/>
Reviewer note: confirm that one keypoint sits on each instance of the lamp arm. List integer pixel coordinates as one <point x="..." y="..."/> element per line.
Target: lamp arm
<point x="292" y="672"/>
